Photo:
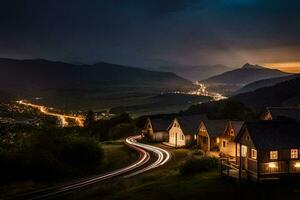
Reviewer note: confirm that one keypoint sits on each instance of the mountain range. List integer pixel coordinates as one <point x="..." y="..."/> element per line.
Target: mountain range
<point x="229" y="82"/>
<point x="195" y="72"/>
<point x="68" y="84"/>
<point x="286" y="93"/>
<point x="245" y="75"/>
<point x="265" y="83"/>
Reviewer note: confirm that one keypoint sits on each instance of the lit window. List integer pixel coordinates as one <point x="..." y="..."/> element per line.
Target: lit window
<point x="253" y="154"/>
<point x="218" y="140"/>
<point x="294" y="153"/>
<point x="273" y="155"/>
<point x="224" y="144"/>
<point x="244" y="151"/>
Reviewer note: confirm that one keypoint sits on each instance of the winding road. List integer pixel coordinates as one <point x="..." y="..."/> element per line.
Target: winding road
<point x="62" y="117"/>
<point x="143" y="164"/>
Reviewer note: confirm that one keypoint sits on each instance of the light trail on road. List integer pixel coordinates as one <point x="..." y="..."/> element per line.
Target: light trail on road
<point x="142" y="165"/>
<point x="62" y="117"/>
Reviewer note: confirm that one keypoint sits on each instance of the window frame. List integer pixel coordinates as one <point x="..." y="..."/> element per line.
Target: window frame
<point x="292" y="156"/>
<point x="224" y="144"/>
<point x="272" y="153"/>
<point x="254" y="154"/>
<point x="244" y="151"/>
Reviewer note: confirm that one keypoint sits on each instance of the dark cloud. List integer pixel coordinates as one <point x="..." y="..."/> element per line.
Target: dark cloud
<point x="150" y="32"/>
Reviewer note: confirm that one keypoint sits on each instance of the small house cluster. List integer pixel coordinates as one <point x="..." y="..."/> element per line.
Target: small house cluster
<point x="260" y="150"/>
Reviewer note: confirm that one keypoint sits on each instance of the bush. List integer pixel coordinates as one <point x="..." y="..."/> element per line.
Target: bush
<point x="198" y="165"/>
<point x="50" y="154"/>
<point x="121" y="131"/>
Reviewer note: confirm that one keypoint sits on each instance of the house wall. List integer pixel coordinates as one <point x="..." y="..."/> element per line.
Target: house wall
<point x="247" y="162"/>
<point x="284" y="163"/>
<point x="228" y="139"/>
<point x="229" y="148"/>
<point x="160" y="136"/>
<point x="176" y="136"/>
<point x="266" y="116"/>
<point x="203" y="140"/>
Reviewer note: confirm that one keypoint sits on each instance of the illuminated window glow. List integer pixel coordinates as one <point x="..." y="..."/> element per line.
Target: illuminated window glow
<point x="273" y="155"/>
<point x="273" y="165"/>
<point x="244" y="151"/>
<point x="294" y="153"/>
<point x="218" y="140"/>
<point x="253" y="154"/>
<point x="297" y="165"/>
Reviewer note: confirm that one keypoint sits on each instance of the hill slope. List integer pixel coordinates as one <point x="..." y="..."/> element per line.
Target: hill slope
<point x="265" y="83"/>
<point x="68" y="84"/>
<point x="282" y="94"/>
<point x="195" y="73"/>
<point x="245" y="75"/>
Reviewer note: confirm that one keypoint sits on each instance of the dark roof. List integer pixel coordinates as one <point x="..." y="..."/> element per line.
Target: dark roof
<point x="190" y="124"/>
<point x="215" y="127"/>
<point x="280" y="112"/>
<point x="237" y="125"/>
<point x="274" y="134"/>
<point x="160" y="124"/>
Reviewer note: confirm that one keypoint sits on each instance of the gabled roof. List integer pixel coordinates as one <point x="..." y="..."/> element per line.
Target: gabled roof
<point x="215" y="127"/>
<point x="237" y="125"/>
<point x="160" y="124"/>
<point x="284" y="112"/>
<point x="273" y="134"/>
<point x="190" y="124"/>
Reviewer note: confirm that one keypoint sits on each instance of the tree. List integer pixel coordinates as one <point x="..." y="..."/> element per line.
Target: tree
<point x="90" y="119"/>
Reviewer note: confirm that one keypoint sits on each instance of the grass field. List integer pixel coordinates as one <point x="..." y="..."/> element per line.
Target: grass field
<point x="116" y="155"/>
<point x="167" y="183"/>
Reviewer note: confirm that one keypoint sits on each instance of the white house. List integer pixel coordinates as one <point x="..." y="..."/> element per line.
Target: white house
<point x="183" y="130"/>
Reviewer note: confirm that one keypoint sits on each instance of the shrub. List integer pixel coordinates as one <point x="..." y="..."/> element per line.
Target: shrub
<point x="121" y="131"/>
<point x="50" y="154"/>
<point x="198" y="165"/>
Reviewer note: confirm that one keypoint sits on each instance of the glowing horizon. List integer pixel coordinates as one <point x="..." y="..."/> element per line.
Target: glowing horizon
<point x="292" y="67"/>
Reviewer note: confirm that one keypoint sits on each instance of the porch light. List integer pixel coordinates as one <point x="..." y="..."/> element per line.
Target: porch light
<point x="273" y="165"/>
<point x="297" y="165"/>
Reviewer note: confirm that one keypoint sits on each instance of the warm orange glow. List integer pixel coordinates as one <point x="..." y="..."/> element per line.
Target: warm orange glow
<point x="63" y="118"/>
<point x="272" y="165"/>
<point x="292" y="67"/>
<point x="297" y="165"/>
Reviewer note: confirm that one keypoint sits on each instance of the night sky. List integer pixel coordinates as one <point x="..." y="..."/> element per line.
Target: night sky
<point x="145" y="33"/>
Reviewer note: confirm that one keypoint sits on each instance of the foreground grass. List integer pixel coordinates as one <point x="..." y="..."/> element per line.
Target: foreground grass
<point x="116" y="155"/>
<point x="167" y="183"/>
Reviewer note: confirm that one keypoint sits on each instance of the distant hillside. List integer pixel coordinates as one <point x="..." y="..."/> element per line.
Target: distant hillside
<point x="245" y="75"/>
<point x="195" y="73"/>
<point x="286" y="93"/>
<point x="67" y="84"/>
<point x="265" y="83"/>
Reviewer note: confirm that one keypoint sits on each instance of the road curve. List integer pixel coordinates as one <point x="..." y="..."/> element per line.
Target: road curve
<point x="141" y="165"/>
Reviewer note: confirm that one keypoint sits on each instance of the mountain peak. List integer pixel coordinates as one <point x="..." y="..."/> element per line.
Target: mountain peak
<point x="250" y="66"/>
